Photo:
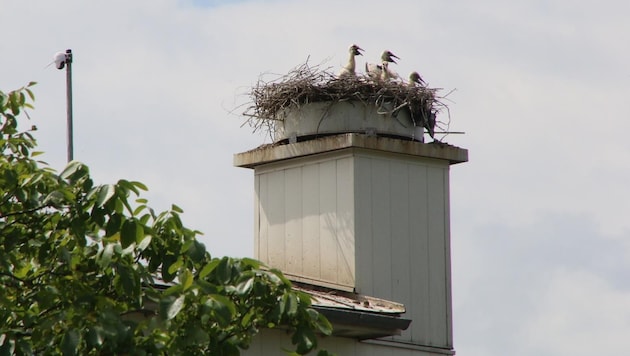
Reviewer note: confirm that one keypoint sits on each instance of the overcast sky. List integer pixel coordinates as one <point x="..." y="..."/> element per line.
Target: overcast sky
<point x="540" y="214"/>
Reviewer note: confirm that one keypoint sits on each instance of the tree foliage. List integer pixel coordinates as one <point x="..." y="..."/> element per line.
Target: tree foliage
<point x="92" y="269"/>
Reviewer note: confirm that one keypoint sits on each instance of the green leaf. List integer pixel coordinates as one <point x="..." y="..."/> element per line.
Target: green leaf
<point x="323" y="325"/>
<point x="176" y="289"/>
<point x="245" y="287"/>
<point x="30" y="94"/>
<point x="139" y="232"/>
<point x="176" y="208"/>
<point x="304" y="339"/>
<point x="106" y="255"/>
<point x="105" y="193"/>
<point x="128" y="233"/>
<point x="176" y="265"/>
<point x="72" y="168"/>
<point x="209" y="267"/>
<point x="186" y="279"/>
<point x="224" y="270"/>
<point x="146" y="241"/>
<point x="167" y="261"/>
<point x="7" y="348"/>
<point x="222" y="307"/>
<point x="291" y="304"/>
<point x="95" y="337"/>
<point x="128" y="280"/>
<point x="140" y="186"/>
<point x="250" y="262"/>
<point x="175" y="307"/>
<point x="138" y="210"/>
<point x="70" y="342"/>
<point x="113" y="225"/>
<point x="197" y="251"/>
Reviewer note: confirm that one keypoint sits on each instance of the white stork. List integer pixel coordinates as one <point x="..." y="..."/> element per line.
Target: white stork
<point x="375" y="71"/>
<point x="415" y="78"/>
<point x="349" y="69"/>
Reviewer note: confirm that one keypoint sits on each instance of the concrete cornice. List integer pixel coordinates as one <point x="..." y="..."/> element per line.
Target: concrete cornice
<point x="276" y="152"/>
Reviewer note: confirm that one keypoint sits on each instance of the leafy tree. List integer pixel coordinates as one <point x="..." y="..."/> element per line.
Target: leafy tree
<point x="91" y="269"/>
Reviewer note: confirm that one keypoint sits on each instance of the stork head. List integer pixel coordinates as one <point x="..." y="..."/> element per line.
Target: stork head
<point x="388" y="56"/>
<point x="355" y="50"/>
<point x="414" y="77"/>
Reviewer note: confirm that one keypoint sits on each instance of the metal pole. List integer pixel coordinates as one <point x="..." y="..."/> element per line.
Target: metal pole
<point x="69" y="100"/>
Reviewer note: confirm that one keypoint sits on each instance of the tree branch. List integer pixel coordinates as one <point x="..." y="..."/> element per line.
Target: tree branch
<point x="28" y="211"/>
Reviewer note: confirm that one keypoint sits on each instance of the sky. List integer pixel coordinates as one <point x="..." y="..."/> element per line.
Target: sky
<point x="539" y="215"/>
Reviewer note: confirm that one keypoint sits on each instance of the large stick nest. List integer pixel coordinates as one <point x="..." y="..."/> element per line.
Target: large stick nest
<point x="309" y="84"/>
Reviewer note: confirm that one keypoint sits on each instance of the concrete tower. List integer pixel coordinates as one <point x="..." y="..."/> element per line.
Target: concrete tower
<point x="360" y="213"/>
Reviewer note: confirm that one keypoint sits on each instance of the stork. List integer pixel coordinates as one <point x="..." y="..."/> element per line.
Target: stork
<point x="375" y="71"/>
<point x="349" y="69"/>
<point x="388" y="74"/>
<point x="415" y="78"/>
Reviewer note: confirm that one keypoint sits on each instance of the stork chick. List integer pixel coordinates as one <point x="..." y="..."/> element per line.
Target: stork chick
<point x="375" y="71"/>
<point x="388" y="74"/>
<point x="349" y="69"/>
<point x="415" y="78"/>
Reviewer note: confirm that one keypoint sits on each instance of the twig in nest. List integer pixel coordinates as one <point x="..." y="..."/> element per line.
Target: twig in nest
<point x="309" y="84"/>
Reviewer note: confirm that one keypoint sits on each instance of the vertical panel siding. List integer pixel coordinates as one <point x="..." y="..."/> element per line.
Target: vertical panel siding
<point x="345" y="221"/>
<point x="447" y="252"/>
<point x="256" y="215"/>
<point x="307" y="221"/>
<point x="381" y="229"/>
<point x="327" y="220"/>
<point x="271" y="342"/>
<point x="437" y="257"/>
<point x="293" y="219"/>
<point x="363" y="225"/>
<point x="401" y="254"/>
<point x="263" y="234"/>
<point x="419" y="245"/>
<point x="276" y="249"/>
<point x="372" y="220"/>
<point x="310" y="221"/>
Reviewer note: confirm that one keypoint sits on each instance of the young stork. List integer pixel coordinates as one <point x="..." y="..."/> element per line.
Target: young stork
<point x="349" y="69"/>
<point x="388" y="74"/>
<point x="375" y="71"/>
<point x="415" y="78"/>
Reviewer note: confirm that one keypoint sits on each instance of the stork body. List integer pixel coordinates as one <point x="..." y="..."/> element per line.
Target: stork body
<point x="388" y="74"/>
<point x="375" y="71"/>
<point x="349" y="69"/>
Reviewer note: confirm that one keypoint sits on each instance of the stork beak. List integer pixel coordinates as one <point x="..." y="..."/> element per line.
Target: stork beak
<point x="358" y="51"/>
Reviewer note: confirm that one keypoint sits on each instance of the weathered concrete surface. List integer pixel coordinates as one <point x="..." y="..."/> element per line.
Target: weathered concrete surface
<point x="275" y="152"/>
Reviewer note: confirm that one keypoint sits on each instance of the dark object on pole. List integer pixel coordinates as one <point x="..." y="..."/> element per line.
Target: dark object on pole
<point x="67" y="62"/>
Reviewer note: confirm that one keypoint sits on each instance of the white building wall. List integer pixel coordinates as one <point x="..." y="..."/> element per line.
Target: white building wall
<point x="305" y="211"/>
<point x="271" y="343"/>
<point x="366" y="220"/>
<point x="402" y="240"/>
